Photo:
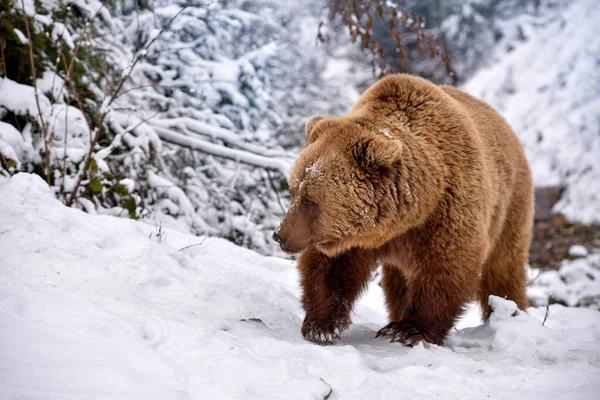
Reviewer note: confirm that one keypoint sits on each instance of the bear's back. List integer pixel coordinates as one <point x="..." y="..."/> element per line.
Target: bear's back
<point x="511" y="183"/>
<point x="501" y="145"/>
<point x="484" y="161"/>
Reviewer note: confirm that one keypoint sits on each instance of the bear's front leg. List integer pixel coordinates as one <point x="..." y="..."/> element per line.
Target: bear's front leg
<point x="330" y="286"/>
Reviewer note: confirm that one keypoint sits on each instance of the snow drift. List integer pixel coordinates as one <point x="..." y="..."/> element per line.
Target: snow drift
<point x="96" y="307"/>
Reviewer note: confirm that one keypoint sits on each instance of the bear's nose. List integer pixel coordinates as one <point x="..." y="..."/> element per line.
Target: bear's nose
<point x="279" y="239"/>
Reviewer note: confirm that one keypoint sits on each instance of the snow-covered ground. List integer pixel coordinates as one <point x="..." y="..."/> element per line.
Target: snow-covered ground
<point x="97" y="307"/>
<point x="544" y="78"/>
<point x="576" y="283"/>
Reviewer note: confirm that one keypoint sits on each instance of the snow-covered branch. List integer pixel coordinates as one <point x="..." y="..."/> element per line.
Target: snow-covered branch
<point x="246" y="157"/>
<point x="217" y="133"/>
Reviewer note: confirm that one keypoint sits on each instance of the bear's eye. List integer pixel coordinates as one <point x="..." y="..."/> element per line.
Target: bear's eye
<point x="309" y="203"/>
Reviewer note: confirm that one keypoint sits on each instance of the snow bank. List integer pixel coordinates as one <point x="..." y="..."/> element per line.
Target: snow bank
<point x="13" y="146"/>
<point x="576" y="283"/>
<point x="91" y="307"/>
<point x="544" y="80"/>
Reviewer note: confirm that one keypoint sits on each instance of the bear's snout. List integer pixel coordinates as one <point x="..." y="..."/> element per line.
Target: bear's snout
<point x="279" y="239"/>
<point x="293" y="234"/>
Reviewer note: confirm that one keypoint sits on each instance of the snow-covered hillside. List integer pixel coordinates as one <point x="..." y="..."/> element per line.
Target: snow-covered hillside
<point x="544" y="78"/>
<point x="211" y="108"/>
<point x="97" y="307"/>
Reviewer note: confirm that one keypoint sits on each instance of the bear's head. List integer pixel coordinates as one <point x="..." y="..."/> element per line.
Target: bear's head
<point x="343" y="188"/>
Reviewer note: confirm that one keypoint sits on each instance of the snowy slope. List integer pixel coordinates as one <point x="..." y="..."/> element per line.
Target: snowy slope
<point x="544" y="79"/>
<point x="91" y="307"/>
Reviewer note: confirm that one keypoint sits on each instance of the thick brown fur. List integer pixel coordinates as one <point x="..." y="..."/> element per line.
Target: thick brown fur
<point x="425" y="180"/>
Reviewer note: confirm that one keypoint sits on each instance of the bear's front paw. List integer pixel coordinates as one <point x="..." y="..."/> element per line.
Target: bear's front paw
<point x="323" y="332"/>
<point x="405" y="333"/>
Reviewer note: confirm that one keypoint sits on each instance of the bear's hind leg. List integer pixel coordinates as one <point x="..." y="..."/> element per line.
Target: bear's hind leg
<point x="330" y="286"/>
<point x="504" y="272"/>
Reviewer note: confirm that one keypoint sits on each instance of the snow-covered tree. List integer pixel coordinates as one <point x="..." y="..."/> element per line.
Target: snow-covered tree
<point x="192" y="112"/>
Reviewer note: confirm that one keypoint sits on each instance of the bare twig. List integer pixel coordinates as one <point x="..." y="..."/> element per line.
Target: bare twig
<point x="138" y="56"/>
<point x="3" y="58"/>
<point x="276" y="192"/>
<point x="37" y="101"/>
<point x="547" y="310"/>
<point x="160" y="234"/>
<point x="193" y="245"/>
<point x="75" y="93"/>
<point x="360" y="16"/>
<point x="64" y="171"/>
<point x="328" y="395"/>
<point x="535" y="278"/>
<point x="69" y="69"/>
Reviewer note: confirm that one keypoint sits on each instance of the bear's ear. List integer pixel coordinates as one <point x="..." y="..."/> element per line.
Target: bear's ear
<point x="310" y="126"/>
<point x="377" y="153"/>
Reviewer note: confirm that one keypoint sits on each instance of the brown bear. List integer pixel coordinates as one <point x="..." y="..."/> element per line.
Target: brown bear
<point x="424" y="180"/>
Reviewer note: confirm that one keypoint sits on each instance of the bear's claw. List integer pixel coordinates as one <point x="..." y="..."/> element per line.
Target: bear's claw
<point x="323" y="339"/>
<point x="320" y="334"/>
<point x="402" y="332"/>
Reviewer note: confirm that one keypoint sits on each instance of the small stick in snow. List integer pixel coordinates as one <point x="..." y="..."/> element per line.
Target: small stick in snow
<point x="547" y="310"/>
<point x="194" y="245"/>
<point x="160" y="235"/>
<point x="328" y="395"/>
